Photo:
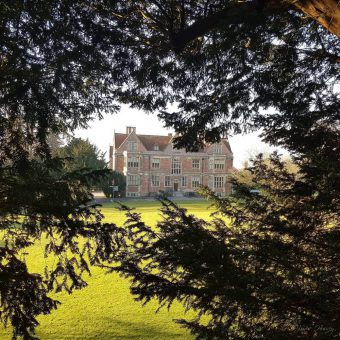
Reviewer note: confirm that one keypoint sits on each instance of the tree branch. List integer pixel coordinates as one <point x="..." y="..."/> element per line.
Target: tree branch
<point x="235" y="13"/>
<point x="325" y="12"/>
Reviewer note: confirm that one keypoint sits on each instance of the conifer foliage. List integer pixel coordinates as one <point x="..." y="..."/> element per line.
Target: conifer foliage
<point x="52" y="80"/>
<point x="264" y="267"/>
<point x="225" y="66"/>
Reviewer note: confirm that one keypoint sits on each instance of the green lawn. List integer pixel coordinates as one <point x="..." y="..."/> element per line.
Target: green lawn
<point x="105" y="309"/>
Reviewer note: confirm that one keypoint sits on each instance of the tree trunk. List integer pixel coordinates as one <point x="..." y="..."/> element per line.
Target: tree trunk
<point x="234" y="13"/>
<point x="326" y="12"/>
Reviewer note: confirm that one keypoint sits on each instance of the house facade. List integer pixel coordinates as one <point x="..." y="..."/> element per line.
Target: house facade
<point x="151" y="164"/>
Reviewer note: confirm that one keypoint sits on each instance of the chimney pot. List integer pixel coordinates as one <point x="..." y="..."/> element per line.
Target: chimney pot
<point x="130" y="129"/>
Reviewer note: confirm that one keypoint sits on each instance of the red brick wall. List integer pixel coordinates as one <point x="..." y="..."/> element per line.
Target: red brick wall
<point x="145" y="170"/>
<point x="119" y="164"/>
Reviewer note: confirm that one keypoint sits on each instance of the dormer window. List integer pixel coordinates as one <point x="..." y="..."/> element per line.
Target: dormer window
<point x="217" y="148"/>
<point x="132" y="146"/>
<point x="156" y="147"/>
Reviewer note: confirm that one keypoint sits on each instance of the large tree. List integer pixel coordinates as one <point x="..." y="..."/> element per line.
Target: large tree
<point x="224" y="78"/>
<point x="53" y="79"/>
<point x="266" y="266"/>
<point x="82" y="154"/>
<point x="117" y="179"/>
<point x="226" y="66"/>
<point x="70" y="61"/>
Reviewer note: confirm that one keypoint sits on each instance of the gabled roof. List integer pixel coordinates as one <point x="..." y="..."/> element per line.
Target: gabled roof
<point x="119" y="139"/>
<point x="149" y="141"/>
<point x="223" y="141"/>
<point x="226" y="142"/>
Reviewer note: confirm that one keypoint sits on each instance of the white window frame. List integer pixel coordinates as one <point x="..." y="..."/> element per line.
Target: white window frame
<point x="133" y="162"/>
<point x="155" y="163"/>
<point x="133" y="194"/>
<point x="132" y="146"/>
<point x="211" y="163"/>
<point x="217" y="148"/>
<point x="176" y="167"/>
<point x="155" y="180"/>
<point x="195" y="181"/>
<point x="219" y="163"/>
<point x="218" y="182"/>
<point x="133" y="180"/>
<point x="196" y="164"/>
<point x="167" y="181"/>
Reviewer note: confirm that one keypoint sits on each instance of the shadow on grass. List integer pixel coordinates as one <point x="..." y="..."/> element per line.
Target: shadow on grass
<point x="123" y="330"/>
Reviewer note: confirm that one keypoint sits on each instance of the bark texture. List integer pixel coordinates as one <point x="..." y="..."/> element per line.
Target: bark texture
<point x="326" y="12"/>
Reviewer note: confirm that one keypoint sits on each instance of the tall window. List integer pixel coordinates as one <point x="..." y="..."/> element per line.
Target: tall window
<point x="211" y="163"/>
<point x="133" y="162"/>
<point x="176" y="166"/>
<point x="219" y="164"/>
<point x="155" y="181"/>
<point x="195" y="181"/>
<point x="167" y="181"/>
<point x="218" y="182"/>
<point x="155" y="163"/>
<point x="217" y="148"/>
<point x="132" y="146"/>
<point x="195" y="163"/>
<point x="184" y="181"/>
<point x="133" y="179"/>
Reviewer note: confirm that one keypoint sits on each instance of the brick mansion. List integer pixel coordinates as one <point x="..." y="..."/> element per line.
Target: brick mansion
<point x="151" y="164"/>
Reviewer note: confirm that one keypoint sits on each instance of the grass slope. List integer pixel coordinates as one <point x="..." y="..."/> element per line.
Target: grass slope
<point x="105" y="309"/>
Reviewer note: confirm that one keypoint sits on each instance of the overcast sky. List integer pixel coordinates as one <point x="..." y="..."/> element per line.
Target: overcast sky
<point x="100" y="133"/>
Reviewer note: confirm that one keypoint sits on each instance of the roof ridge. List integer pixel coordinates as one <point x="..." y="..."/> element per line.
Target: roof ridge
<point x="153" y="135"/>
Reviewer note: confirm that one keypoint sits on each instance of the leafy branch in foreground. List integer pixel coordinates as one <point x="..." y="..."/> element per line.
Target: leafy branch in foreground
<point x="56" y="208"/>
<point x="265" y="265"/>
<point x="65" y="62"/>
<point x="23" y="295"/>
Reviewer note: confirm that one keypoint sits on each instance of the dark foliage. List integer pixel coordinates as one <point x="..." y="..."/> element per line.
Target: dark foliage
<point x="52" y="205"/>
<point x="64" y="62"/>
<point x="117" y="179"/>
<point x="56" y="73"/>
<point x="277" y="72"/>
<point x="263" y="267"/>
<point x="23" y="295"/>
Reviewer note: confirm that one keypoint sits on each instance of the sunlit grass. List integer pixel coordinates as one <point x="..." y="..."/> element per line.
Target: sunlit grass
<point x="105" y="309"/>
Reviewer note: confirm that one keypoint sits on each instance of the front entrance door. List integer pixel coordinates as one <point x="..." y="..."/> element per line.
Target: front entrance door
<point x="175" y="186"/>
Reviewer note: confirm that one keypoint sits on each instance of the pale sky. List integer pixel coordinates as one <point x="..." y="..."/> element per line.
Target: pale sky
<point x="100" y="133"/>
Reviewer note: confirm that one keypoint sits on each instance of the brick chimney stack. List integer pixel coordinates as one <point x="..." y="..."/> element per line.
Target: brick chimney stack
<point x="130" y="129"/>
